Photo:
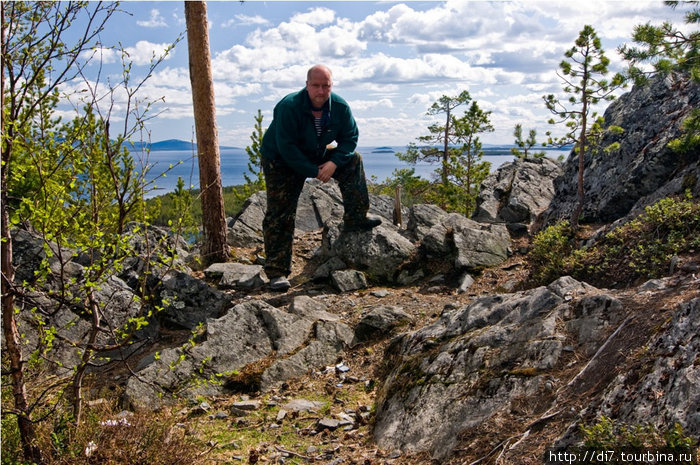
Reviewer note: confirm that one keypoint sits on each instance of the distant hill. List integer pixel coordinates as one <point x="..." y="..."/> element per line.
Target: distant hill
<point x="170" y="144"/>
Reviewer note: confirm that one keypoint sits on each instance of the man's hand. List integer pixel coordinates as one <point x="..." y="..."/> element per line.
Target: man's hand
<point x="325" y="171"/>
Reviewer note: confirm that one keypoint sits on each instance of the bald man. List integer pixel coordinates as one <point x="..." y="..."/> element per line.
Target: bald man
<point x="295" y="147"/>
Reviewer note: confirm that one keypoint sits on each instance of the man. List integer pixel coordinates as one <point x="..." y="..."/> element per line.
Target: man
<point x="296" y="146"/>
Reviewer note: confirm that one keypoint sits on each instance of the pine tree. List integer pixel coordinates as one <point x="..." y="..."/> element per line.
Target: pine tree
<point x="582" y="73"/>
<point x="525" y="145"/>
<point x="215" y="248"/>
<point x="436" y="145"/>
<point x="254" y="178"/>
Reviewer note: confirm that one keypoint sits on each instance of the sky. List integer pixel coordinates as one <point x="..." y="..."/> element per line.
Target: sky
<point x="390" y="60"/>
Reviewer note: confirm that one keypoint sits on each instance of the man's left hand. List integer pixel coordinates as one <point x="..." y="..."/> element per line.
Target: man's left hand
<point x="325" y="171"/>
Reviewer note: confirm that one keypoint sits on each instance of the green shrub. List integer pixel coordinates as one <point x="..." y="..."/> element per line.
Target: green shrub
<point x="611" y="435"/>
<point x="550" y="249"/>
<point x="640" y="249"/>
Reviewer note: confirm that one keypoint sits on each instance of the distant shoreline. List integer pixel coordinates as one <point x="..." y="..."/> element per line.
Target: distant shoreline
<point x="181" y="145"/>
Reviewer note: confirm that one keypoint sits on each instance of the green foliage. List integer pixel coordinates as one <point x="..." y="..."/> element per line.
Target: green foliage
<point x="524" y="146"/>
<point x="78" y="189"/>
<point x="467" y="171"/>
<point x="640" y="249"/>
<point x="550" y="249"/>
<point x="665" y="47"/>
<point x="414" y="189"/>
<point x="668" y="49"/>
<point x="461" y="170"/>
<point x="169" y="207"/>
<point x="257" y="182"/>
<point x="582" y="74"/>
<point x="611" y="435"/>
<point x="436" y="145"/>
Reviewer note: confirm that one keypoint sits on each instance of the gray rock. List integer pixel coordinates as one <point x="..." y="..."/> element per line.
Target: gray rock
<point x="247" y="405"/>
<point x="318" y="205"/>
<point x="348" y="280"/>
<point x="465" y="283"/>
<point x="248" y="333"/>
<point x="327" y="423"/>
<point x="378" y="252"/>
<point x="469" y="365"/>
<point x="246" y="229"/>
<point x="421" y="218"/>
<point x="303" y="405"/>
<point x="306" y="307"/>
<point x="473" y="245"/>
<point x="626" y="180"/>
<point x="380" y="322"/>
<point x="324" y="270"/>
<point x="189" y="301"/>
<point x="236" y="275"/>
<point x="517" y="192"/>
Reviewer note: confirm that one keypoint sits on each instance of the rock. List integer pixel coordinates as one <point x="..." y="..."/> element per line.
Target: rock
<point x="516" y="193"/>
<point x="308" y="308"/>
<point x="236" y="275"/>
<point x="249" y="332"/>
<point x="473" y="245"/>
<point x="318" y="205"/>
<point x="324" y="271"/>
<point x="247" y="405"/>
<point x="380" y="293"/>
<point x="660" y="393"/>
<point x="188" y="301"/>
<point x="303" y="405"/>
<point x="348" y="280"/>
<point x="379" y="323"/>
<point x="327" y="423"/>
<point x="644" y="168"/>
<point x="378" y="253"/>
<point x="455" y="374"/>
<point x="421" y="218"/>
<point x="246" y="229"/>
<point x="465" y="283"/>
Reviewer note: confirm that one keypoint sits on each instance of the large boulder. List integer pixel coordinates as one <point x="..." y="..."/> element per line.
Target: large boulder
<point x="651" y="115"/>
<point x="421" y="218"/>
<point x="379" y="253"/>
<point x="248" y="335"/>
<point x="475" y="361"/>
<point x="468" y="244"/>
<point x="517" y="192"/>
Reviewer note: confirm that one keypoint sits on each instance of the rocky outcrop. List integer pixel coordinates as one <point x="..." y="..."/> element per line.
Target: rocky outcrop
<point x="628" y="178"/>
<point x="516" y="193"/>
<point x="539" y="351"/>
<point x="277" y="345"/>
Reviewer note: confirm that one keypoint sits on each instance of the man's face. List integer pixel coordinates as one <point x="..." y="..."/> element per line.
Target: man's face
<point x="319" y="87"/>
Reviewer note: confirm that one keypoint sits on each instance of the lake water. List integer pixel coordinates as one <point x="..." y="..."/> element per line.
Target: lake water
<point x="380" y="163"/>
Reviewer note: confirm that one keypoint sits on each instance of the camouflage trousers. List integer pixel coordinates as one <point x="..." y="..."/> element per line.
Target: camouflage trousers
<point x="283" y="189"/>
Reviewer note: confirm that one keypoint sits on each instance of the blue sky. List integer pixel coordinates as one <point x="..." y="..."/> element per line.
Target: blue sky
<point x="390" y="60"/>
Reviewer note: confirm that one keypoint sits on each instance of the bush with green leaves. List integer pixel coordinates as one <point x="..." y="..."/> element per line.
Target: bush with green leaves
<point x="642" y="248"/>
<point x="612" y="435"/>
<point x="550" y="249"/>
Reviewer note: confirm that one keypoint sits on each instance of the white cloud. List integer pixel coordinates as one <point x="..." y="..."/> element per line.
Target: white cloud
<point x="245" y="20"/>
<point x="155" y="20"/>
<point x="315" y="17"/>
<point x="144" y="51"/>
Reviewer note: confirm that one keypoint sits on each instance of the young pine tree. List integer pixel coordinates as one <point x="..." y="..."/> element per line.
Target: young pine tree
<point x="583" y="75"/>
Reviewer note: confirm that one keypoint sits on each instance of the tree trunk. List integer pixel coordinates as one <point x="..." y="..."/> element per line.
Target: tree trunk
<point x="581" y="154"/>
<point x="213" y="214"/>
<point x="27" y="432"/>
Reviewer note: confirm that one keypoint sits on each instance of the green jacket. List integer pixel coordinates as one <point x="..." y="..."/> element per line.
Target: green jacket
<point x="292" y="137"/>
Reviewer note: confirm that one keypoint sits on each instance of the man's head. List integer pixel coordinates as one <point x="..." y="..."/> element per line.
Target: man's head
<point x="319" y="82"/>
